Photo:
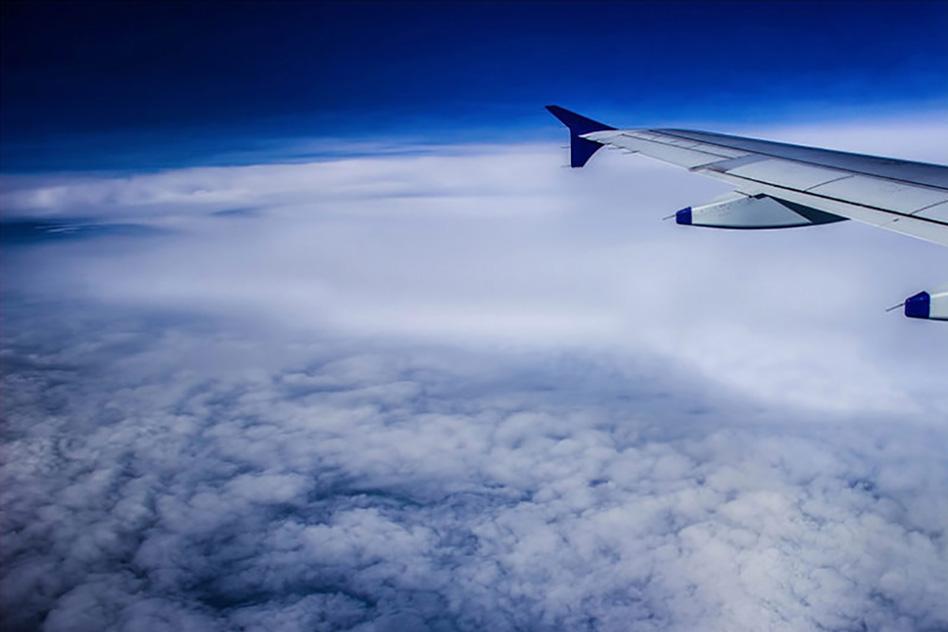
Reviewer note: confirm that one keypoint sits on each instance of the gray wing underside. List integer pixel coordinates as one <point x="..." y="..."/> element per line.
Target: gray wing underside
<point x="903" y="196"/>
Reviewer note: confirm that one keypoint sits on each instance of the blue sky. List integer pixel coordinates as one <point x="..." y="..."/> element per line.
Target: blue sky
<point x="141" y="85"/>
<point x="305" y="327"/>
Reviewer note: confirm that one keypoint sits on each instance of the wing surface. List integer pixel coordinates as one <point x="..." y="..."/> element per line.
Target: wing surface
<point x="899" y="195"/>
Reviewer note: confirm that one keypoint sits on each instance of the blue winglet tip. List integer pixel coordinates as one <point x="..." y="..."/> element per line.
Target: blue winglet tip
<point x="683" y="216"/>
<point x="577" y="123"/>
<point x="581" y="149"/>
<point x="919" y="305"/>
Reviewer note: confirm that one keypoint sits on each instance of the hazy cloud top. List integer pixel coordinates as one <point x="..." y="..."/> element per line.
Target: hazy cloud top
<point x="463" y="390"/>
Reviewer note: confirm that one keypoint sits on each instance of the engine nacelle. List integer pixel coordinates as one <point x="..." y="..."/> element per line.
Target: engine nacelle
<point x="928" y="305"/>
<point x="749" y="212"/>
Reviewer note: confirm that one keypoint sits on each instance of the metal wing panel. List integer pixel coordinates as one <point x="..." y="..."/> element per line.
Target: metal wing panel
<point x="902" y="196"/>
<point x="720" y="150"/>
<point x="891" y="195"/>
<point x="939" y="213"/>
<point x="795" y="175"/>
<point x="929" y="229"/>
<point x="667" y="149"/>
<point x="891" y="168"/>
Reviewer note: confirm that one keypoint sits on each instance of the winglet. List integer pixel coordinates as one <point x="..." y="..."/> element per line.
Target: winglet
<point x="580" y="149"/>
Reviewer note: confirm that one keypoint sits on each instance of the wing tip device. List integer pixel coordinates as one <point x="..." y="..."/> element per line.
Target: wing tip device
<point x="580" y="149"/>
<point x="928" y="305"/>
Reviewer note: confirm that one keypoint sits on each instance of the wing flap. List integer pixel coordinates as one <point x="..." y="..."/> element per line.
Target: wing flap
<point x="938" y="212"/>
<point x="891" y="195"/>
<point x="921" y="227"/>
<point x="794" y="175"/>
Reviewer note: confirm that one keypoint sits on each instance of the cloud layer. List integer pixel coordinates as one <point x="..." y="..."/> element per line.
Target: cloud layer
<point x="461" y="390"/>
<point x="402" y="489"/>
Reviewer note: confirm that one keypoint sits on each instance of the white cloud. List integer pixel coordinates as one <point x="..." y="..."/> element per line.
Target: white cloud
<point x="463" y="391"/>
<point x="408" y="487"/>
<point x="498" y="246"/>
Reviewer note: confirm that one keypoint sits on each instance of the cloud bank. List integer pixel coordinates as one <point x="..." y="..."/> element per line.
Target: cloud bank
<point x="406" y="489"/>
<point x="461" y="390"/>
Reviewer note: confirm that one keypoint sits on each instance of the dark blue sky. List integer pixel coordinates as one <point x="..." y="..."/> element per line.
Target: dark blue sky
<point x="109" y="85"/>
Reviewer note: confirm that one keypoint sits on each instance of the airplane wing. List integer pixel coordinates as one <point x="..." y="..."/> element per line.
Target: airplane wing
<point x="779" y="185"/>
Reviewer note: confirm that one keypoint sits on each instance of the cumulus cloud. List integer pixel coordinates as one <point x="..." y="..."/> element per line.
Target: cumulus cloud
<point x="394" y="488"/>
<point x="461" y="390"/>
